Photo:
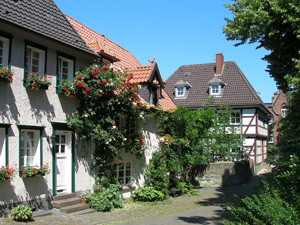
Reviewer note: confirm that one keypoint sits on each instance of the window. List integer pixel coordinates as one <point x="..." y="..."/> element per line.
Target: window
<point x="180" y="91"/>
<point x="236" y="117"/>
<point x="271" y="138"/>
<point x="123" y="172"/>
<point x="65" y="69"/>
<point x="271" y="120"/>
<point x="28" y="149"/>
<point x="35" y="60"/>
<point x="60" y="143"/>
<point x="4" y="51"/>
<point x="215" y="89"/>
<point x="2" y="147"/>
<point x="283" y="112"/>
<point x="154" y="95"/>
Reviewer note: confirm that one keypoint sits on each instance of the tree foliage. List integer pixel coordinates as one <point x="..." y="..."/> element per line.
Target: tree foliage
<point x="190" y="140"/>
<point x="275" y="25"/>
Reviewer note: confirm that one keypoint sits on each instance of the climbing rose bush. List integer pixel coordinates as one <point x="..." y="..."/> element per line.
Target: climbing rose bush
<point x="107" y="99"/>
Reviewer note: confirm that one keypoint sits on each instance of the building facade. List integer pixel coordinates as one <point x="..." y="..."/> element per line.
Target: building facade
<point x="191" y="85"/>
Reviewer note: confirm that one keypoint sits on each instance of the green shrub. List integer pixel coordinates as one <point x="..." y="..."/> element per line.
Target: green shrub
<point x="22" y="213"/>
<point x="193" y="192"/>
<point x="157" y="175"/>
<point x="147" y="194"/>
<point x="265" y="207"/>
<point x="105" y="200"/>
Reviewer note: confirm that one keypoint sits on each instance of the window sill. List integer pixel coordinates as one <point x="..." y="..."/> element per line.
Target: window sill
<point x="124" y="188"/>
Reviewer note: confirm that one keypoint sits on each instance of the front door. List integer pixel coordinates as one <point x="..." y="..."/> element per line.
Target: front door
<point x="63" y="155"/>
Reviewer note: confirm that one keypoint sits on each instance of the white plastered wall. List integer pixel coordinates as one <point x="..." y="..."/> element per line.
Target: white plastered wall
<point x="20" y="105"/>
<point x="149" y="131"/>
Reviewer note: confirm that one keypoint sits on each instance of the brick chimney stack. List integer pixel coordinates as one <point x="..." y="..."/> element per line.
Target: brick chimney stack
<point x="219" y="63"/>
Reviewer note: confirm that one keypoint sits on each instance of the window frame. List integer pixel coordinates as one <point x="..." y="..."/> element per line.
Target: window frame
<point x="234" y="117"/>
<point x="39" y="142"/>
<point x="4" y="150"/>
<point x="117" y="171"/>
<point x="283" y="112"/>
<point x="68" y="58"/>
<point x="6" y="50"/>
<point x="42" y="49"/>
<point x="212" y="89"/>
<point x="178" y="90"/>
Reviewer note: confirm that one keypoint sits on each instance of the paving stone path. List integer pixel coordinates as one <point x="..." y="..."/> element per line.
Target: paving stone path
<point x="203" y="209"/>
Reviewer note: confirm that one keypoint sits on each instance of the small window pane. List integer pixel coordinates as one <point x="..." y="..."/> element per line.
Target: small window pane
<point x="63" y="139"/>
<point x="35" y="54"/>
<point x="62" y="150"/>
<point x="65" y="64"/>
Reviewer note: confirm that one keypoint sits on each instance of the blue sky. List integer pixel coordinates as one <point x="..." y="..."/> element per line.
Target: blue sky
<point x="175" y="32"/>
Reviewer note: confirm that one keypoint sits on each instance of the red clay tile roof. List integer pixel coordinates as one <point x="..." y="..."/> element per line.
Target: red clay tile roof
<point x="166" y="102"/>
<point x="140" y="74"/>
<point x="99" y="42"/>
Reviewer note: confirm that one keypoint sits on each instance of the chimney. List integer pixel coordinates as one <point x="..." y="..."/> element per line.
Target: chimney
<point x="219" y="63"/>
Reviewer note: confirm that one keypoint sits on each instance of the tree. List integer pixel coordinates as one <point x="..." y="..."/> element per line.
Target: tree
<point x="191" y="139"/>
<point x="275" y="25"/>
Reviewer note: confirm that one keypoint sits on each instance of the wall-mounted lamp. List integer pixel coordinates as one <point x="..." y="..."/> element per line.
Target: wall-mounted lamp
<point x="52" y="138"/>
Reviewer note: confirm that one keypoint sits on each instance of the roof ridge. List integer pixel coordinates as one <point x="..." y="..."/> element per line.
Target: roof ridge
<point x="136" y="67"/>
<point x="102" y="35"/>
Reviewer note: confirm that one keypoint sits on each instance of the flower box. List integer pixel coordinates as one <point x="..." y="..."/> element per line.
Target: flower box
<point x="34" y="171"/>
<point x="36" y="82"/>
<point x="5" y="75"/>
<point x="7" y="173"/>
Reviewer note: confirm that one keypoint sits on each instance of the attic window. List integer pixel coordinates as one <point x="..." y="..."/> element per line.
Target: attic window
<point x="181" y="89"/>
<point x="215" y="90"/>
<point x="216" y="86"/>
<point x="186" y="74"/>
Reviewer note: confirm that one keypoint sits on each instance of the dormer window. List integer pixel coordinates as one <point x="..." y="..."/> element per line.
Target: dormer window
<point x="180" y="91"/>
<point x="216" y="86"/>
<point x="215" y="90"/>
<point x="181" y="88"/>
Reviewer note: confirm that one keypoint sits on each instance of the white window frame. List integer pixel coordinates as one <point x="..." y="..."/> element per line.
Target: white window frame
<point x="283" y="112"/>
<point x="180" y="91"/>
<point x="29" y="60"/>
<point x="212" y="90"/>
<point x="118" y="168"/>
<point x="234" y="117"/>
<point x="2" y="147"/>
<point x="70" y="68"/>
<point x="34" y="145"/>
<point x="5" y="51"/>
<point x="271" y="138"/>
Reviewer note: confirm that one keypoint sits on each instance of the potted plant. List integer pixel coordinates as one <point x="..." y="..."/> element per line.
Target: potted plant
<point x="5" y="74"/>
<point x="7" y="173"/>
<point x="35" y="171"/>
<point x="22" y="213"/>
<point x="83" y="197"/>
<point x="36" y="82"/>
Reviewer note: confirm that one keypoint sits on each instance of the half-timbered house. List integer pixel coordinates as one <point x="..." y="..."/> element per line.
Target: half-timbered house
<point x="191" y="85"/>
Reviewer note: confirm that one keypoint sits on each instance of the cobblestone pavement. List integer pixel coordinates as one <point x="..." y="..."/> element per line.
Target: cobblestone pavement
<point x="203" y="209"/>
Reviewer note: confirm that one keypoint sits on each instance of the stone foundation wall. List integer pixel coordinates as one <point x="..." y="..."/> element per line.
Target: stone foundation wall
<point x="223" y="174"/>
